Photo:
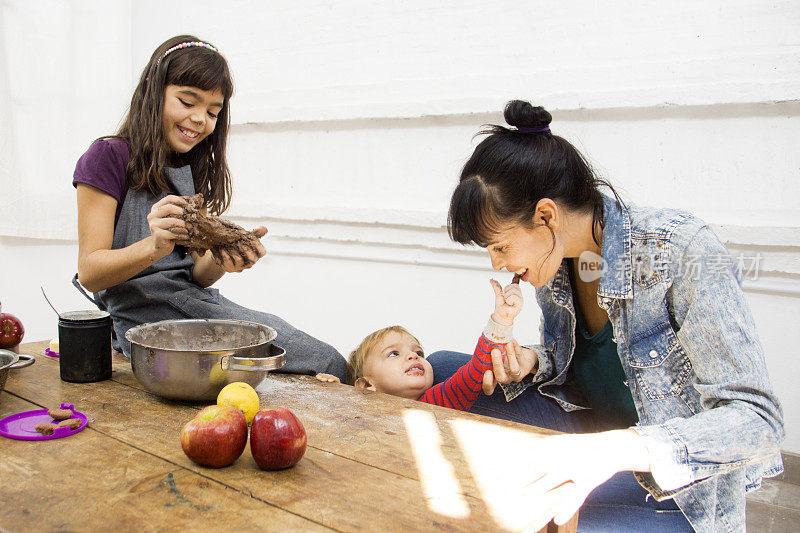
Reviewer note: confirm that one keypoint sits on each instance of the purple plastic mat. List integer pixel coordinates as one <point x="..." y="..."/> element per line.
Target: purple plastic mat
<point x="21" y="425"/>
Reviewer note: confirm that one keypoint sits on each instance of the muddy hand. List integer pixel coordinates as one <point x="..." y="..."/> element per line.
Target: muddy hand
<point x="165" y="227"/>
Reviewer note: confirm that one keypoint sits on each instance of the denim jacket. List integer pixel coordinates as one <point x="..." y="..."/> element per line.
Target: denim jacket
<point x="689" y="348"/>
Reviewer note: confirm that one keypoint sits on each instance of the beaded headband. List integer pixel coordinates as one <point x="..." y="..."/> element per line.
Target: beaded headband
<point x="526" y="129"/>
<point x="187" y="44"/>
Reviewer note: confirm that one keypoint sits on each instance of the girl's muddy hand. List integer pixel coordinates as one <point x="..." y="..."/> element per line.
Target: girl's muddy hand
<point x="327" y="378"/>
<point x="229" y="260"/>
<point x="233" y="261"/>
<point x="259" y="248"/>
<point x="165" y="228"/>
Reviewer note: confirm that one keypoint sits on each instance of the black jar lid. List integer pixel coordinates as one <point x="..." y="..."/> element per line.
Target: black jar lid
<point x="90" y="316"/>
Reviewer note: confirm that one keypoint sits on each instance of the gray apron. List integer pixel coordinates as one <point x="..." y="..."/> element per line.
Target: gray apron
<point x="165" y="291"/>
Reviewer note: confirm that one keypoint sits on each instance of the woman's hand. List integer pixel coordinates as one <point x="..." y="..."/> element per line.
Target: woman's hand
<point x="165" y="229"/>
<point x="573" y="465"/>
<point x="233" y="261"/>
<point x="327" y="378"/>
<point x="507" y="302"/>
<point x="518" y="363"/>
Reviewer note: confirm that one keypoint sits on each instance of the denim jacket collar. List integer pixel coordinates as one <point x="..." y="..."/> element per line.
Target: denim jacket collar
<point x="560" y="285"/>
<point x="617" y="280"/>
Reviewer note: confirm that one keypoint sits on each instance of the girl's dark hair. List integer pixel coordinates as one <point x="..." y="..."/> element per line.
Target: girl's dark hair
<point x="142" y="128"/>
<point x="512" y="169"/>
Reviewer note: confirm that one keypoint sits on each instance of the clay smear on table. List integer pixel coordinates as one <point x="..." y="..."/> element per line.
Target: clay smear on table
<point x="213" y="233"/>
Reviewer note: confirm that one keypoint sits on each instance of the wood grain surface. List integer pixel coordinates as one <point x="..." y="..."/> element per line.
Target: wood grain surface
<point x="373" y="462"/>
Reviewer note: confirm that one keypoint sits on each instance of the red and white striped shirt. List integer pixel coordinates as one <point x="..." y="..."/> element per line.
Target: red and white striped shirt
<point x="462" y="389"/>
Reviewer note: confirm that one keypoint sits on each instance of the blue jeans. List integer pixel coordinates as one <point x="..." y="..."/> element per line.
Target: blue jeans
<point x="619" y="504"/>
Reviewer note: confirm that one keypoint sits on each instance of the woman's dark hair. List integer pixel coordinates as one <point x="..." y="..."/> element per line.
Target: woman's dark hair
<point x="512" y="169"/>
<point x="142" y="129"/>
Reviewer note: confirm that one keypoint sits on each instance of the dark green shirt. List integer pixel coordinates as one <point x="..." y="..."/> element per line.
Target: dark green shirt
<point x="598" y="372"/>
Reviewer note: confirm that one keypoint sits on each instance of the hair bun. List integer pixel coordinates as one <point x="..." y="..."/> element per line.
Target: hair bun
<point x="521" y="113"/>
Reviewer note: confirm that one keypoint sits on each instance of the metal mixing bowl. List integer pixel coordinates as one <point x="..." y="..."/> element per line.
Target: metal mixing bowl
<point x="9" y="360"/>
<point x="194" y="359"/>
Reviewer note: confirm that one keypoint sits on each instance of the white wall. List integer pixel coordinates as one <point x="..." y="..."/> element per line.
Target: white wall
<point x="351" y="122"/>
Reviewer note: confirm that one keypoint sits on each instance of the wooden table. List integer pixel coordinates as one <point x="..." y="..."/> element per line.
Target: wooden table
<point x="374" y="463"/>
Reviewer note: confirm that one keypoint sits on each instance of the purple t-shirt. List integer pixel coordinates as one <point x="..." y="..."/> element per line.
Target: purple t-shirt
<point x="103" y="167"/>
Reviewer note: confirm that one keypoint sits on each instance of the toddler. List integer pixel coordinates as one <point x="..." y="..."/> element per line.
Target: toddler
<point x="391" y="360"/>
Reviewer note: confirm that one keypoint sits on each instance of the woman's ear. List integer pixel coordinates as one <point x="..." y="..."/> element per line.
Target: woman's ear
<point x="546" y="213"/>
<point x="363" y="383"/>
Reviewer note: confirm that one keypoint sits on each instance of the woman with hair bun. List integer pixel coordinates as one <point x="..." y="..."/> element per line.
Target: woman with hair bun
<point x="649" y="354"/>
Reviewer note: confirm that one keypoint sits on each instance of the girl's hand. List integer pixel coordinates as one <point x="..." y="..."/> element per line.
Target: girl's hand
<point x="328" y="378"/>
<point x="233" y="261"/>
<point x="518" y="363"/>
<point x="507" y="302"/>
<point x="165" y="229"/>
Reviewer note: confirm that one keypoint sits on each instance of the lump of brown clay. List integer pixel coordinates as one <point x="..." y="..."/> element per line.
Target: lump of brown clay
<point x="72" y="423"/>
<point x="45" y="429"/>
<point x="214" y="233"/>
<point x="59" y="414"/>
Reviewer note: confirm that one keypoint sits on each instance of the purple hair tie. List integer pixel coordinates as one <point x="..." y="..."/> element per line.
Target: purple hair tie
<point x="526" y="129"/>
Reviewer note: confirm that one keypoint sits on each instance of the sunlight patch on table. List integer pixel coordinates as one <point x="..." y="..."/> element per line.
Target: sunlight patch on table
<point x="503" y="463"/>
<point x="440" y="485"/>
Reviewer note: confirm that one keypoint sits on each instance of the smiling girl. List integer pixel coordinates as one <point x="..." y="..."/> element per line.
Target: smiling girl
<point x="129" y="186"/>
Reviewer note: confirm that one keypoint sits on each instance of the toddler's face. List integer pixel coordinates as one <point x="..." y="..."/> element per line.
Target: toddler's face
<point x="189" y="116"/>
<point x="397" y="366"/>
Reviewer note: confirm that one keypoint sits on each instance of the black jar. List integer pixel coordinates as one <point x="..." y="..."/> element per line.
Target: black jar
<point x="84" y="346"/>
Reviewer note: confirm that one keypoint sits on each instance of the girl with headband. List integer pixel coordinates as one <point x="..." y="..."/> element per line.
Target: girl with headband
<point x="655" y="361"/>
<point x="129" y="186"/>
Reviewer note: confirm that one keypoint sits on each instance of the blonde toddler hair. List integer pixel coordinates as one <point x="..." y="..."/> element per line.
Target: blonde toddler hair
<point x="355" y="364"/>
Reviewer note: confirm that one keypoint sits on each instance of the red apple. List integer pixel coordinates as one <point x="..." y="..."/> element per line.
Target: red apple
<point x="11" y="331"/>
<point x="277" y="438"/>
<point x="216" y="437"/>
